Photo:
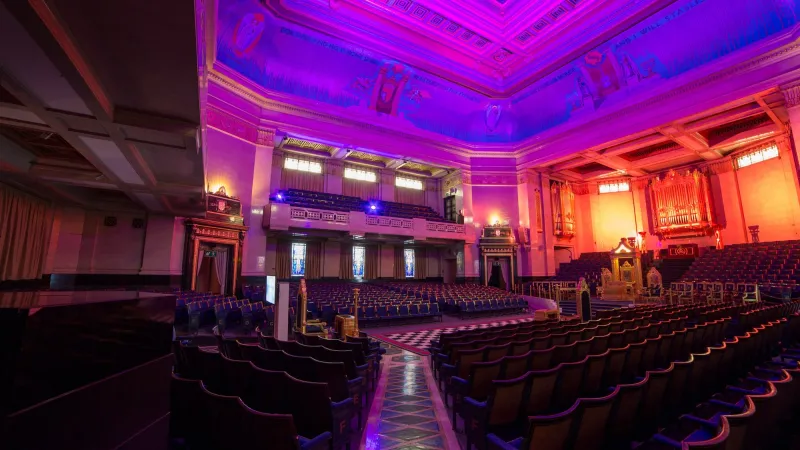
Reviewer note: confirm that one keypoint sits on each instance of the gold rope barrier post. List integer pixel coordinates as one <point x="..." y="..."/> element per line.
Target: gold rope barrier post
<point x="356" y="292"/>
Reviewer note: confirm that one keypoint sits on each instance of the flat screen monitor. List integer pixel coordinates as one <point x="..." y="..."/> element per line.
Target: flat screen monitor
<point x="270" y="290"/>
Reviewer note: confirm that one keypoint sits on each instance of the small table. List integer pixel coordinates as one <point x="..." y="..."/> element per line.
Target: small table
<point x="345" y="325"/>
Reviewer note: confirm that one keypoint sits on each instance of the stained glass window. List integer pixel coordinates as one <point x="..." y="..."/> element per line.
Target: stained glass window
<point x="409" y="260"/>
<point x="298" y="259"/>
<point x="358" y="261"/>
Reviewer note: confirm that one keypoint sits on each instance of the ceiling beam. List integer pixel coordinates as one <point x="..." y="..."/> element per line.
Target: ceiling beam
<point x="767" y="109"/>
<point x="691" y="142"/>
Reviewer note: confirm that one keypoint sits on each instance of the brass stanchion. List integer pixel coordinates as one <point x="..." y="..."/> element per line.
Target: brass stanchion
<point x="356" y="292"/>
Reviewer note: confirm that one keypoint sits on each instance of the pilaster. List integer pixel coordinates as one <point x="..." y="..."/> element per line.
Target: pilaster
<point x="255" y="244"/>
<point x="386" y="178"/>
<point x="334" y="172"/>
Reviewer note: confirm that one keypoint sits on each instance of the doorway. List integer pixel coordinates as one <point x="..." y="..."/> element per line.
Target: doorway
<point x="449" y="272"/>
<point x="214" y="269"/>
<point x="500" y="273"/>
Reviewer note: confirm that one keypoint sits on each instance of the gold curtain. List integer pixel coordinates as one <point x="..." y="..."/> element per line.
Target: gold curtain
<point x="346" y="262"/>
<point x="399" y="263"/>
<point x="364" y="190"/>
<point x="296" y="179"/>
<point x="25" y="225"/>
<point x="283" y="260"/>
<point x="409" y="196"/>
<point x="420" y="263"/>
<point x="371" y="262"/>
<point x="313" y="260"/>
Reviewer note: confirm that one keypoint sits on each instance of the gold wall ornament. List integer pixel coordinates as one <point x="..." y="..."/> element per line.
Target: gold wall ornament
<point x="563" y="206"/>
<point x="681" y="204"/>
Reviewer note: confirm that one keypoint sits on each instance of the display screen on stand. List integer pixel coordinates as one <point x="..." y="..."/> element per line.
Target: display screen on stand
<point x="269" y="292"/>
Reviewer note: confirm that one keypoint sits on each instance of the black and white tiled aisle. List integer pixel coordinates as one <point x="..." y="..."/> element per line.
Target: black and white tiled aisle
<point x="407" y="414"/>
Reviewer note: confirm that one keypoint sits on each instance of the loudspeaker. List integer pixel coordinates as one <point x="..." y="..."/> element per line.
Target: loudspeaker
<point x="110" y="221"/>
<point x="138" y="223"/>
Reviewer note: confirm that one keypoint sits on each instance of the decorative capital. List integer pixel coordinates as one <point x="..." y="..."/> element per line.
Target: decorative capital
<point x="334" y="167"/>
<point x="266" y="137"/>
<point x="791" y="95"/>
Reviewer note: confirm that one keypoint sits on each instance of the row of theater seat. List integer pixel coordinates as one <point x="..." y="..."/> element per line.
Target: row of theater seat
<point x="603" y="418"/>
<point x="321" y="394"/>
<point x="759" y="405"/>
<point x="344" y="203"/>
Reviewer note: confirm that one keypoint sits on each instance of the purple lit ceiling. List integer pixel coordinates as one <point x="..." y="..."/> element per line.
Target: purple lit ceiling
<point x="439" y="66"/>
<point x="493" y="46"/>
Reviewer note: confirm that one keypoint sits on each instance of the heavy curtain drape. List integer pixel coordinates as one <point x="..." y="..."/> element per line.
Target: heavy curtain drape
<point x="283" y="260"/>
<point x="25" y="225"/>
<point x="308" y="181"/>
<point x="420" y="263"/>
<point x="371" y="262"/>
<point x="221" y="266"/>
<point x="399" y="264"/>
<point x="313" y="260"/>
<point x="409" y="196"/>
<point x="346" y="262"/>
<point x="200" y="256"/>
<point x="364" y="190"/>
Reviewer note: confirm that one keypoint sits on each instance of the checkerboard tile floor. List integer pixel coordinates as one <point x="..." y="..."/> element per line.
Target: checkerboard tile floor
<point x="419" y="341"/>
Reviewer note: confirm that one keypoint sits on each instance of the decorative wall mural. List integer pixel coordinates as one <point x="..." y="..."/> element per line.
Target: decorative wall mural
<point x="493" y="113"/>
<point x="247" y="33"/>
<point x="291" y="59"/>
<point x="388" y="90"/>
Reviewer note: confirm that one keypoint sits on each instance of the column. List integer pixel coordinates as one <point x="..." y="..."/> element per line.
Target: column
<point x="254" y="249"/>
<point x="546" y="240"/>
<point x="433" y="195"/>
<point x="334" y="172"/>
<point x="791" y="95"/>
<point x="276" y="170"/>
<point x="472" y="256"/>
<point x="386" y="178"/>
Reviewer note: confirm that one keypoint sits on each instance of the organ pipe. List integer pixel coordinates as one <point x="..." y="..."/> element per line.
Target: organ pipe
<point x="563" y="205"/>
<point x="681" y="204"/>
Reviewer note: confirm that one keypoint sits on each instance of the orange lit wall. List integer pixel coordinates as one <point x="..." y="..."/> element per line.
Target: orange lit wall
<point x="769" y="198"/>
<point x="612" y="217"/>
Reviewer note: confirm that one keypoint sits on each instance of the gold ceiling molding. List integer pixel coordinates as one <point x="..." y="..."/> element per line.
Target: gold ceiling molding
<point x="356" y="154"/>
<point x="307" y="145"/>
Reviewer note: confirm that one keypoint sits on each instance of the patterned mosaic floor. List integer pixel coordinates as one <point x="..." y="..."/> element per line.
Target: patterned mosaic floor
<point x="418" y="341"/>
<point x="406" y="413"/>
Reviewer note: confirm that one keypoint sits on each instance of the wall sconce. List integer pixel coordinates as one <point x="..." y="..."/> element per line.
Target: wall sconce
<point x="221" y="191"/>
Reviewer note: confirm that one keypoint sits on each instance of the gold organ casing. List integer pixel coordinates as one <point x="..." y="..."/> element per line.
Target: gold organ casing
<point x="563" y="204"/>
<point x="681" y="204"/>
